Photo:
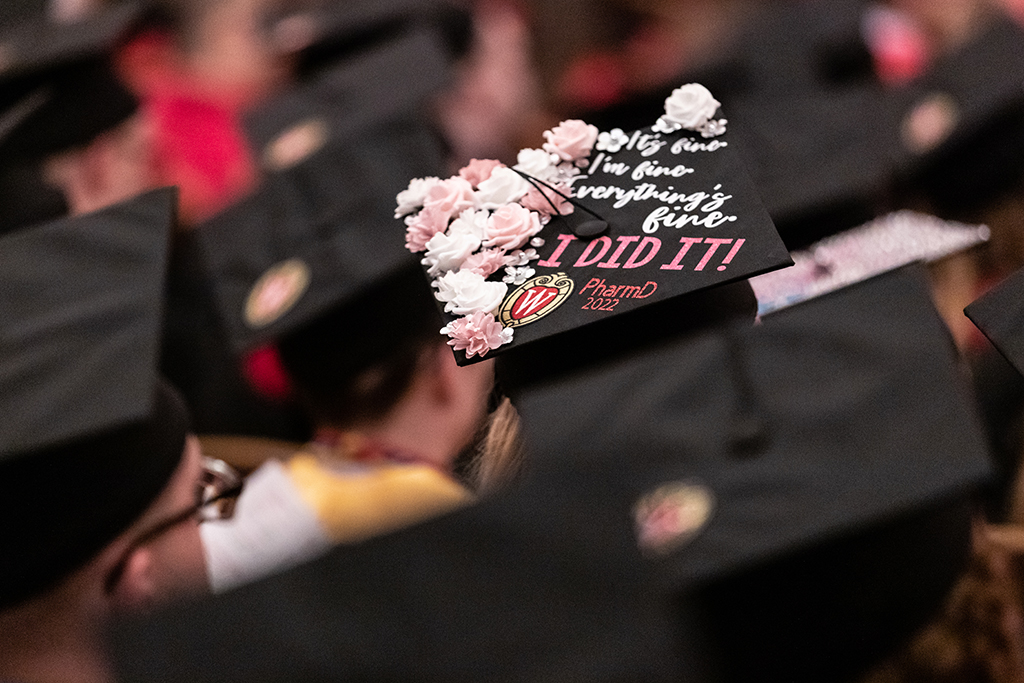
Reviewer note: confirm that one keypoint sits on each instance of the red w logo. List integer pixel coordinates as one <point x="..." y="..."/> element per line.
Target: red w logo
<point x="532" y="300"/>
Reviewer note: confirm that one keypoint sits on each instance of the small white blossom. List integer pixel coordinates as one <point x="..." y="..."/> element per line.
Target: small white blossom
<point x="663" y="125"/>
<point x="517" y="276"/>
<point x="611" y="141"/>
<point x="713" y="128"/>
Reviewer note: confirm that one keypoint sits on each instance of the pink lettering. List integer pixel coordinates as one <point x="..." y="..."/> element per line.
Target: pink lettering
<point x="552" y="261"/>
<point x="624" y="242"/>
<point x="605" y="243"/>
<point x="715" y="244"/>
<point x="635" y="260"/>
<point x="687" y="242"/>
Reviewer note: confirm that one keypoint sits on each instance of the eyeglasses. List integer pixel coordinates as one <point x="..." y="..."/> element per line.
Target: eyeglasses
<point x="217" y="492"/>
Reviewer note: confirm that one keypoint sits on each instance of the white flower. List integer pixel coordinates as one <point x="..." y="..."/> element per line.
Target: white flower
<point x="465" y="292"/>
<point x="521" y="257"/>
<point x="713" y="128"/>
<point x="517" y="276"/>
<point x="537" y="242"/>
<point x="447" y="251"/>
<point x="663" y="125"/>
<point x="690" y="106"/>
<point x="611" y="141"/>
<point x="411" y="198"/>
<point x="471" y="222"/>
<point x="537" y="163"/>
<point x="503" y="187"/>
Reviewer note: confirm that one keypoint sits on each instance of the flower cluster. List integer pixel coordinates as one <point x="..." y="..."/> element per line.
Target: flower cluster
<point x="692" y="107"/>
<point x="486" y="219"/>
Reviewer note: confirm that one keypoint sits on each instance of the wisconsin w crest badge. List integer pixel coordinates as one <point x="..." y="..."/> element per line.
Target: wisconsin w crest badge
<point x="534" y="299"/>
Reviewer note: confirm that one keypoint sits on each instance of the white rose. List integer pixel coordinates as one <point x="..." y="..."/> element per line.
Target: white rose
<point x="447" y="251"/>
<point x="503" y="187"/>
<point x="690" y="106"/>
<point x="412" y="198"/>
<point x="471" y="222"/>
<point x="537" y="163"/>
<point x="465" y="292"/>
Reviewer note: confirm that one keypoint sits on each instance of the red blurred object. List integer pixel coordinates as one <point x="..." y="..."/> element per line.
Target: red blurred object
<point x="899" y="48"/>
<point x="593" y="81"/>
<point x="265" y="373"/>
<point x="199" y="144"/>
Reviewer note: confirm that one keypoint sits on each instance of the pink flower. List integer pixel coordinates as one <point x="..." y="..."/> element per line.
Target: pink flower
<point x="571" y="140"/>
<point x="450" y="197"/>
<point x="535" y="201"/>
<point x="485" y="261"/>
<point x="477" y="334"/>
<point x="510" y="226"/>
<point x="478" y="170"/>
<point x="423" y="226"/>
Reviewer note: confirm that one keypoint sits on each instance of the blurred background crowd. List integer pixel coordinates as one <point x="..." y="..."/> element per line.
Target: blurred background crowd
<point x="270" y="298"/>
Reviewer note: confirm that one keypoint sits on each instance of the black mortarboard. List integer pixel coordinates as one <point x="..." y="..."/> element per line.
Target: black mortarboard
<point x="322" y="33"/>
<point x="657" y="213"/>
<point x="858" y="421"/>
<point x="90" y="435"/>
<point x="319" y="232"/>
<point x="822" y="160"/>
<point x="58" y="87"/>
<point x="962" y="126"/>
<point x="1000" y="315"/>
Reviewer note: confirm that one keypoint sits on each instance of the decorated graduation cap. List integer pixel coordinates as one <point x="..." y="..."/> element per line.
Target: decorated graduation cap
<point x="591" y="226"/>
<point x="58" y="88"/>
<point x="962" y="124"/>
<point x="90" y="434"/>
<point x="999" y="314"/>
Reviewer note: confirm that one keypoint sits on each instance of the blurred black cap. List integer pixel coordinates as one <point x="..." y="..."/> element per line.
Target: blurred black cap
<point x="822" y="160"/>
<point x="90" y="434"/>
<point x="639" y="492"/>
<point x="319" y="232"/>
<point x="962" y="123"/>
<point x="999" y="314"/>
<point x="319" y="34"/>
<point x="58" y="87"/>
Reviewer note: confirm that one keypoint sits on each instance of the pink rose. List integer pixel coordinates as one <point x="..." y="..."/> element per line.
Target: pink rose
<point x="477" y="334"/>
<point x="485" y="261"/>
<point x="478" y="170"/>
<point x="510" y="226"/>
<point x="423" y="226"/>
<point x="535" y="201"/>
<point x="450" y="197"/>
<point x="571" y="140"/>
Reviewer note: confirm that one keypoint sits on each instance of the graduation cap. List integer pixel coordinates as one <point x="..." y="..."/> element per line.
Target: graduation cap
<point x="999" y="314"/>
<point x="640" y="510"/>
<point x="822" y="160"/>
<point x="655" y="214"/>
<point x="48" y="69"/>
<point x="317" y="240"/>
<point x="323" y="33"/>
<point x="90" y="435"/>
<point x="962" y="122"/>
<point x="885" y="243"/>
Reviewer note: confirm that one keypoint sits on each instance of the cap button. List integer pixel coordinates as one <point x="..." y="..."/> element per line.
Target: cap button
<point x="591" y="228"/>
